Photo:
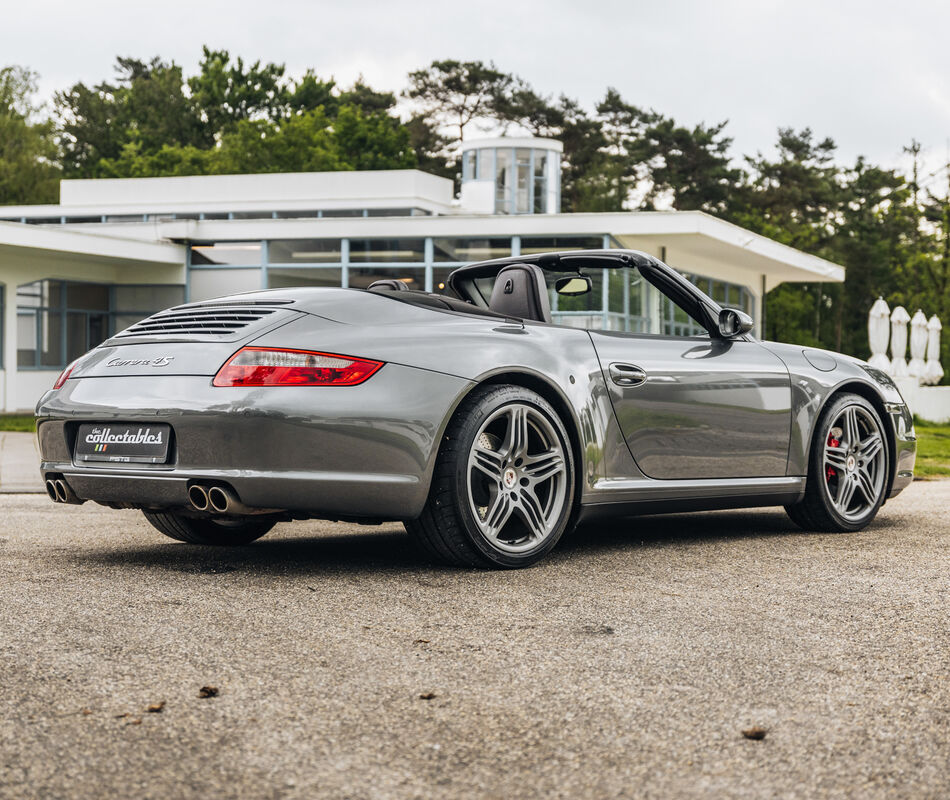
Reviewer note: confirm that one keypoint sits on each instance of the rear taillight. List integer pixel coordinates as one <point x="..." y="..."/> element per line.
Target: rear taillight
<point x="64" y="375"/>
<point x="265" y="366"/>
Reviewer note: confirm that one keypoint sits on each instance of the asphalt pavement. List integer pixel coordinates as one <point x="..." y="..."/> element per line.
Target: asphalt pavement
<point x="327" y="660"/>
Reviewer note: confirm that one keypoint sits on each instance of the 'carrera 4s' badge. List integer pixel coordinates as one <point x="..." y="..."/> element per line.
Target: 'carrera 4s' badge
<point x="159" y="361"/>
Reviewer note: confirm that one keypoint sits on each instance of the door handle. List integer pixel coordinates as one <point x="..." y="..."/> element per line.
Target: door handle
<point x="627" y="374"/>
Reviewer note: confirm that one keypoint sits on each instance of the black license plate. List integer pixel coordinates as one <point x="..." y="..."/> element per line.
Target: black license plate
<point x="123" y="443"/>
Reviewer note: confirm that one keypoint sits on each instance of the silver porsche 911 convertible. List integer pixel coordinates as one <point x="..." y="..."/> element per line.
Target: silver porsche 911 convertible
<point x="469" y="416"/>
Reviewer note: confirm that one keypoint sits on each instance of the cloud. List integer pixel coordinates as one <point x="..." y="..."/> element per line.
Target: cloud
<point x="869" y="74"/>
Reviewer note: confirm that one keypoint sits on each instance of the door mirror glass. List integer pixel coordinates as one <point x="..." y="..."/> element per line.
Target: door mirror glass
<point x="733" y="322"/>
<point x="573" y="285"/>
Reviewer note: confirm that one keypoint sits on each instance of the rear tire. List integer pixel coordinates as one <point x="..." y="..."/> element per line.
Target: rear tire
<point x="193" y="530"/>
<point x="502" y="492"/>
<point x="848" y="468"/>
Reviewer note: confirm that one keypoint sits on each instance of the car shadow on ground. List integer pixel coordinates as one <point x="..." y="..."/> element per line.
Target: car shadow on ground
<point x="386" y="549"/>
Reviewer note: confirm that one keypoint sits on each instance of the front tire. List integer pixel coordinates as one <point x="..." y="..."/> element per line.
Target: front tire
<point x="502" y="491"/>
<point x="220" y="533"/>
<point x="847" y="468"/>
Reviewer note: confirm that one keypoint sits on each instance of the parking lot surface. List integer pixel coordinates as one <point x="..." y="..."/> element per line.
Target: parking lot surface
<point x="625" y="665"/>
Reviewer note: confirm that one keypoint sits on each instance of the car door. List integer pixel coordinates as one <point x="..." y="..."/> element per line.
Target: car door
<point x="694" y="407"/>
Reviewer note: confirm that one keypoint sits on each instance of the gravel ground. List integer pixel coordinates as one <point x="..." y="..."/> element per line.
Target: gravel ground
<point x="626" y="665"/>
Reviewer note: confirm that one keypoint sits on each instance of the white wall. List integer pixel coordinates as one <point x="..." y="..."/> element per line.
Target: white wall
<point x="31" y="385"/>
<point x="931" y="403"/>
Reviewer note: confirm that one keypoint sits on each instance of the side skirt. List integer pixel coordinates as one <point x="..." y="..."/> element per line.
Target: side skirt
<point x="646" y="496"/>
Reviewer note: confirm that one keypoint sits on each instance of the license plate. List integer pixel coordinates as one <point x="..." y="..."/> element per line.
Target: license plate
<point x="122" y="443"/>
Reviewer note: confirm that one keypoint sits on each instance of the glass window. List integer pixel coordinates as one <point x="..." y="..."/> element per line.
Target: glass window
<point x="540" y="182"/>
<point x="206" y="284"/>
<point x="297" y="214"/>
<point x="504" y="181"/>
<point x="344" y="212"/>
<point x="58" y="321"/>
<point x="440" y="279"/>
<point x="390" y="212"/>
<point x="147" y="299"/>
<point x="285" y="277"/>
<point x="413" y="277"/>
<point x="523" y="186"/>
<point x="124" y="218"/>
<point x="463" y="250"/>
<point x="468" y="166"/>
<point x="88" y="296"/>
<point x="363" y="251"/>
<point x="78" y="220"/>
<point x="26" y="333"/>
<point x="236" y="254"/>
<point x="123" y="321"/>
<point x="486" y="164"/>
<point x="304" y="251"/>
<point x="51" y="339"/>
<point x="252" y="215"/>
<point x="215" y="215"/>
<point x="545" y="244"/>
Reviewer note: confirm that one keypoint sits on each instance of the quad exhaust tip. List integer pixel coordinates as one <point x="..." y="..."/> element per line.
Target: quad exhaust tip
<point x="218" y="499"/>
<point x="61" y="492"/>
<point x="221" y="499"/>
<point x="198" y="497"/>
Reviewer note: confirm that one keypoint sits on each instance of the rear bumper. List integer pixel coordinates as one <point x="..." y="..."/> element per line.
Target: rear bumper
<point x="360" y="451"/>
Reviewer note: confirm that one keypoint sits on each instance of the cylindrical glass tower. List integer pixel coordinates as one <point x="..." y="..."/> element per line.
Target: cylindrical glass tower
<point x="525" y="173"/>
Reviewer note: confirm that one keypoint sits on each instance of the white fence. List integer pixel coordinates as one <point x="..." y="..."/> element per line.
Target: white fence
<point x="917" y="378"/>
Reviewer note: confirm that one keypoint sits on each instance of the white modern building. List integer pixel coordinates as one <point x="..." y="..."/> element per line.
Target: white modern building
<point x="114" y="251"/>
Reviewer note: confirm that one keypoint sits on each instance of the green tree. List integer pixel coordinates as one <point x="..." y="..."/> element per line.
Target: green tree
<point x="794" y="198"/>
<point x="458" y="92"/>
<point x="432" y="149"/>
<point x="29" y="172"/>
<point x="371" y="140"/>
<point x="226" y="91"/>
<point x="146" y="107"/>
<point x="690" y="165"/>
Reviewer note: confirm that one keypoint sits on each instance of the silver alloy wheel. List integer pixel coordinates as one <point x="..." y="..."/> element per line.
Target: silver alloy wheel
<point x="854" y="462"/>
<point x="517" y="478"/>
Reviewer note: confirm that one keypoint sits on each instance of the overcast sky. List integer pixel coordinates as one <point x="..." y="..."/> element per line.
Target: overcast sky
<point x="870" y="74"/>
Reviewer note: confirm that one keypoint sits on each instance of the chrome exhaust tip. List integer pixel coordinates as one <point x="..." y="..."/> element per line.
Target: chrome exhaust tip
<point x="51" y="491"/>
<point x="198" y="497"/>
<point x="219" y="499"/>
<point x="62" y="493"/>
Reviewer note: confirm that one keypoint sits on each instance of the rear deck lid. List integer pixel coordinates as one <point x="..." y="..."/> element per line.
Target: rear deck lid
<point x="194" y="339"/>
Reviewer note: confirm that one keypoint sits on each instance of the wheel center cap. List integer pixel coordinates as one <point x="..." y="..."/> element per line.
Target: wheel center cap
<point x="850" y="463"/>
<point x="509" y="478"/>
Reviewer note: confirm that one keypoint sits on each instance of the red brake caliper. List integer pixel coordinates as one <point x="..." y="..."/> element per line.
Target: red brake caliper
<point x="830" y="471"/>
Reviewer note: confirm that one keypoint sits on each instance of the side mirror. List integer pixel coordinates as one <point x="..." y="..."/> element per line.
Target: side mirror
<point x="733" y="323"/>
<point x="573" y="285"/>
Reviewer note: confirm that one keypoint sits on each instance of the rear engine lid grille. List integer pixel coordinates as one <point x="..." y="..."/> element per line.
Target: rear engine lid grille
<point x="207" y="321"/>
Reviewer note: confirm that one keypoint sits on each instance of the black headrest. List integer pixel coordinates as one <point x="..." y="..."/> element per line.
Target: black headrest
<point x="521" y="291"/>
<point x="388" y="285"/>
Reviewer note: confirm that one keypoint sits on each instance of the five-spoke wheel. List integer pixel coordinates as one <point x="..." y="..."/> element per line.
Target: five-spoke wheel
<point x="517" y="483"/>
<point x="848" y="468"/>
<point x="503" y="489"/>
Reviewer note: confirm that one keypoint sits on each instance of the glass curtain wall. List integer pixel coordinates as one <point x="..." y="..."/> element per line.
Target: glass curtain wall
<point x="524" y="177"/>
<point x="620" y="301"/>
<point x="58" y="321"/>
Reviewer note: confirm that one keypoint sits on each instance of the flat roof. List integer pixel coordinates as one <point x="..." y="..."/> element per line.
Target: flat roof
<point x="284" y="191"/>
<point x="692" y="232"/>
<point x="16" y="238"/>
<point x="693" y="240"/>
